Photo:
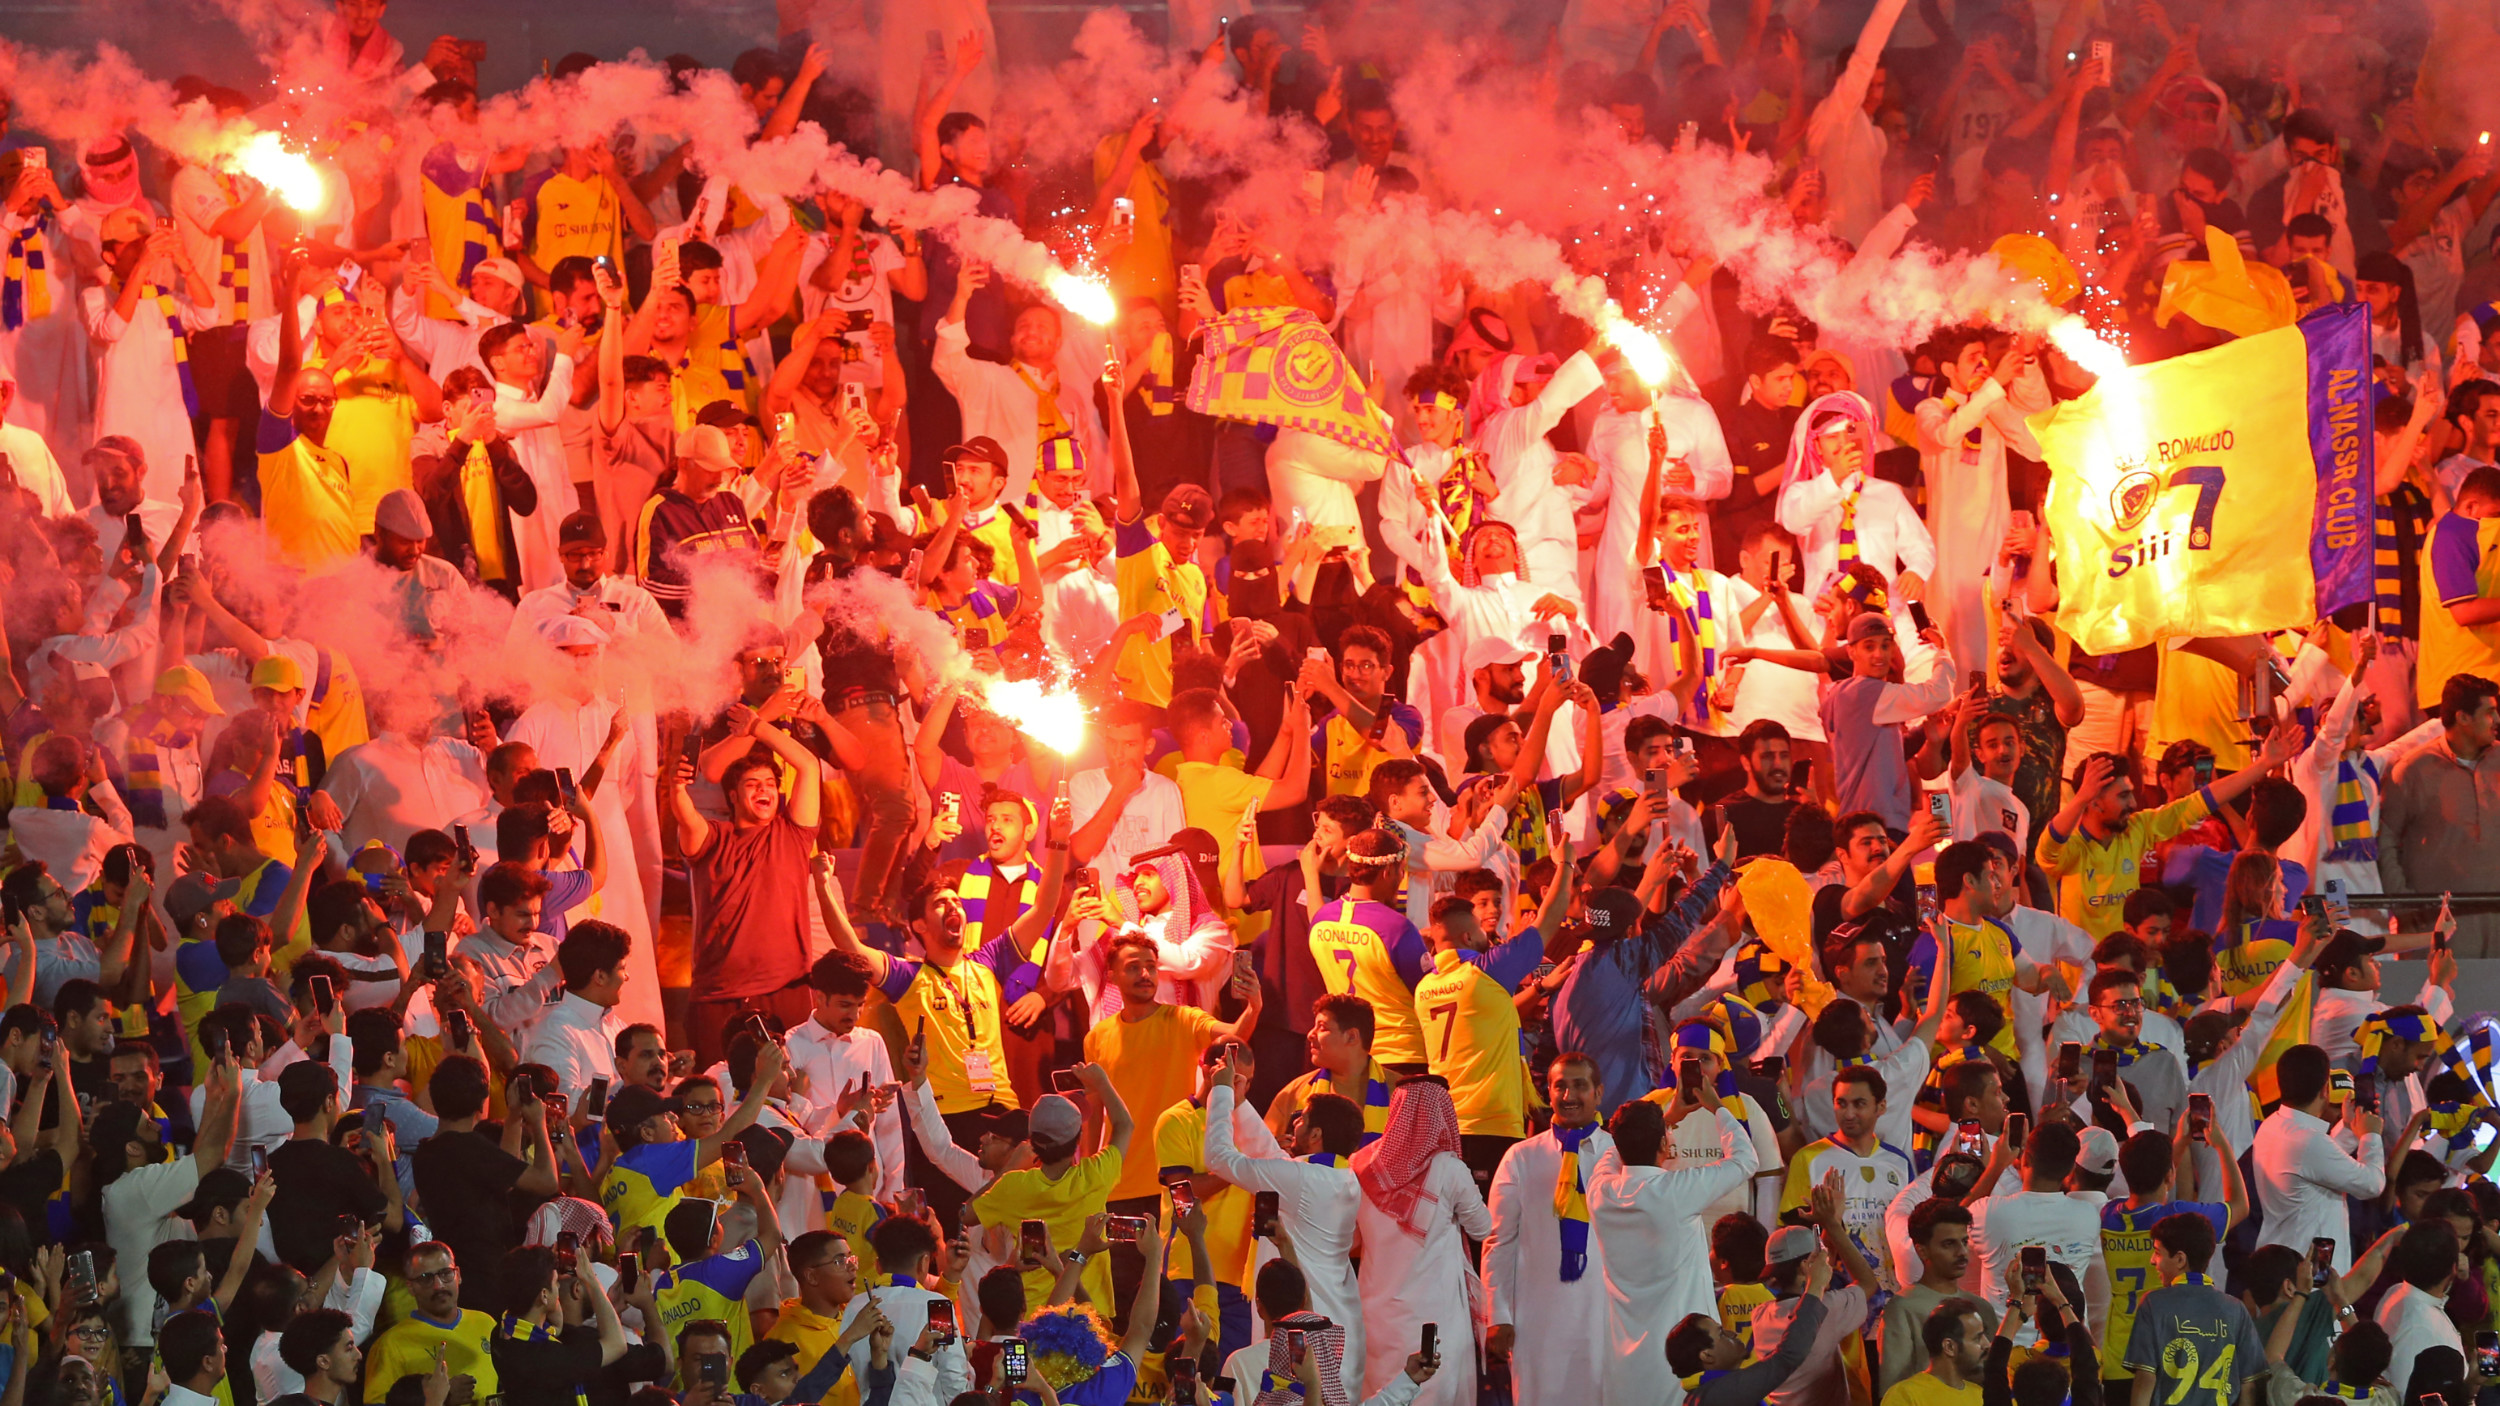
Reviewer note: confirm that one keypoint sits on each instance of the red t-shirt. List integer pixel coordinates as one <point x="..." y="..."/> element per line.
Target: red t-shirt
<point x="750" y="914"/>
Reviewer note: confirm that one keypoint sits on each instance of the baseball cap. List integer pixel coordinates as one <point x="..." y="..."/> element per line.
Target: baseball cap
<point x="402" y="514"/>
<point x="1012" y="1124"/>
<point x="1790" y="1242"/>
<point x="279" y="672"/>
<point x="1485" y="651"/>
<point x="183" y="681"/>
<point x="1867" y="626"/>
<point x="2098" y="1154"/>
<point x="222" y="1187"/>
<point x="187" y="898"/>
<point x="708" y="446"/>
<point x="2345" y="949"/>
<point x="582" y="529"/>
<point x="1608" y="913"/>
<point x="980" y="447"/>
<point x="725" y="414"/>
<point x="633" y="1105"/>
<point x="1055" y="1120"/>
<point x="1190" y="506"/>
<point x="504" y="269"/>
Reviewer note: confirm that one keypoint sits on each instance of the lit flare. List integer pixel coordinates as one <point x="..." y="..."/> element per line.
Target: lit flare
<point x="1088" y="298"/>
<point x="1053" y="717"/>
<point x="266" y="159"/>
<point x="1641" y="348"/>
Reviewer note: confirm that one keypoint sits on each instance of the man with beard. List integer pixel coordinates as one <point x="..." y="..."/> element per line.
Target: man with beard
<point x="1545" y="1270"/>
<point x="2041" y="698"/>
<point x="1759" y="812"/>
<point x="1841" y="512"/>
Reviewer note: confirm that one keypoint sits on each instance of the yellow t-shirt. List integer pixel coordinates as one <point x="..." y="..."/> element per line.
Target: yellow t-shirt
<point x="307" y="504"/>
<point x="406" y="1348"/>
<point x="2449" y="648"/>
<point x="1151" y="583"/>
<point x="1143" y="267"/>
<point x="852" y="1215"/>
<point x="1471" y="1038"/>
<point x="1153" y="1062"/>
<point x="371" y="429"/>
<point x="1028" y="1193"/>
<point x="959" y="1009"/>
<point x="2197" y="699"/>
<point x="1983" y="960"/>
<point x="1214" y="797"/>
<point x="814" y="1335"/>
<point x="713" y="367"/>
<point x="1928" y="1389"/>
<point x="1180" y="1138"/>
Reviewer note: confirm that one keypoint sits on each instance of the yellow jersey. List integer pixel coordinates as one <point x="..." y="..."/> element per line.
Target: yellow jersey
<point x="1471" y="1032"/>
<point x="958" y="1008"/>
<point x="1151" y="583"/>
<point x="406" y="1348"/>
<point x="1983" y="960"/>
<point x="2246" y="960"/>
<point x="1028" y="1193"/>
<point x="2094" y="877"/>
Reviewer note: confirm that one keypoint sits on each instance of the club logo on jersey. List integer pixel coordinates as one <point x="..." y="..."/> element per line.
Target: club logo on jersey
<point x="2132" y="500"/>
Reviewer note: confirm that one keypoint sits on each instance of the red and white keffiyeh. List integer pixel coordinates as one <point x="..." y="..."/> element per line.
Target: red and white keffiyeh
<point x="1422" y="1123"/>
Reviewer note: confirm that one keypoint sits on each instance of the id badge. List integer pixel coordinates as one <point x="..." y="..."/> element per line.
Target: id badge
<point x="977" y="1072"/>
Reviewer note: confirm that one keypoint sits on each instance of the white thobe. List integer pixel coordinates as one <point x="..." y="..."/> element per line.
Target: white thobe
<point x="388" y="789"/>
<point x="832" y="1063"/>
<point x="1559" y="1348"/>
<point x="1410" y="1280"/>
<point x="50" y="353"/>
<point x="30" y="458"/>
<point x="1081" y="606"/>
<point x="641" y="639"/>
<point x="570" y="735"/>
<point x="576" y="1039"/>
<point x="1513" y="439"/>
<point x="2305" y="1169"/>
<point x="1317" y="476"/>
<point x="1968" y="504"/>
<point x="530" y="422"/>
<point x="999" y="401"/>
<point x="1658" y="1258"/>
<point x="1619" y="442"/>
<point x="1319" y="1208"/>
<point x="139" y="385"/>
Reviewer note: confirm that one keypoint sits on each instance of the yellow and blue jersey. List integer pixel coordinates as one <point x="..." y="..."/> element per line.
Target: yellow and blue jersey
<point x="1151" y="583"/>
<point x="647" y="1182"/>
<point x="1983" y="960"/>
<point x="1370" y="950"/>
<point x="712" y="1287"/>
<point x="2127" y="1247"/>
<point x="406" y="1349"/>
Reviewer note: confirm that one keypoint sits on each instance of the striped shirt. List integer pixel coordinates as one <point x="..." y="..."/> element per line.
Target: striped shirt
<point x="674" y="530"/>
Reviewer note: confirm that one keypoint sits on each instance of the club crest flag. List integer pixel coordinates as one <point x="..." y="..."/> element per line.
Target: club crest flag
<point x="1278" y="366"/>
<point x="2224" y="492"/>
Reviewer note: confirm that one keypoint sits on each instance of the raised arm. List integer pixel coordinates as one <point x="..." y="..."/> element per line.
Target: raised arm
<point x="838" y="918"/>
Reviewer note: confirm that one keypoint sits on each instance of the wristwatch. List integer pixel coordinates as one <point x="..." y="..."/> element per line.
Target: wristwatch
<point x="1076" y="1257"/>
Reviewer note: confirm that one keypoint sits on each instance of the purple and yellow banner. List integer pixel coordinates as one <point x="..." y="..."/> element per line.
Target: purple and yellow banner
<point x="1278" y="366"/>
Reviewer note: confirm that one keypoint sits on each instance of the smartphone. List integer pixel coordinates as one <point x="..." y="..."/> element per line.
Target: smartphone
<point x="2104" y="1067"/>
<point x="1293" y="1346"/>
<point x="559" y="1109"/>
<point x="568" y="1251"/>
<point x="855" y="396"/>
<point x="1264" y="1208"/>
<point x="1245" y="971"/>
<point x="37" y="157"/>
<point x="2017" y="1127"/>
<point x="712" y="1368"/>
<point x="258" y="1159"/>
<point x="628" y="1270"/>
<point x="1431" y="1344"/>
<point x="733" y="1153"/>
<point x="910" y="1202"/>
<point x="1940" y="805"/>
<point x="2313" y="905"/>
<point x="325" y="997"/>
<point x="1688" y="1080"/>
<point x="2200" y="1113"/>
<point x="942" y="1316"/>
<point x="564" y="784"/>
<point x="2365" y="1090"/>
<point x="1032" y="1240"/>
<point x="597" y="1104"/>
<point x="377" y="1120"/>
<point x="1918" y="615"/>
<point x="1654" y="780"/>
<point x="2321" y="1259"/>
<point x="82" y="1272"/>
<point x="920" y="1044"/>
<point x="2070" y="1061"/>
<point x="1771" y="1067"/>
<point x="456" y="1021"/>
<point x="1654" y="586"/>
<point x="2487" y="1349"/>
<point x="2338" y="902"/>
<point x="1801" y="776"/>
<point x="1182" y="1372"/>
<point x="1125" y="1230"/>
<point x="1558" y="650"/>
<point x="1971" y="1133"/>
<point x="1015" y="1360"/>
<point x="2100" y="51"/>
<point x="1123" y="224"/>
<point x="2339" y="1085"/>
<point x="1064" y="1081"/>
<point x="1184" y="1198"/>
<point x="460" y="842"/>
<point x="2035" y="1267"/>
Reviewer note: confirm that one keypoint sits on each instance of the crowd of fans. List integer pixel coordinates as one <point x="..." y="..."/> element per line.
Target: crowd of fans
<point x="1630" y="898"/>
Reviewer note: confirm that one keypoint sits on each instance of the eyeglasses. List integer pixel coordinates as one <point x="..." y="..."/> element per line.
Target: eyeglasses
<point x="713" y="1107"/>
<point x="302" y="399"/>
<point x="92" y="1332"/>
<point x="444" y="1275"/>
<point x="2122" y="1003"/>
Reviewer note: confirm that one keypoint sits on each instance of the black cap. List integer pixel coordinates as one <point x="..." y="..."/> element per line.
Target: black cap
<point x="633" y="1105"/>
<point x="220" y="1188"/>
<point x="1606" y="915"/>
<point x="980" y="447"/>
<point x="582" y="529"/>
<point x="1190" y="506"/>
<point x="2346" y="949"/>
<point x="723" y="414"/>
